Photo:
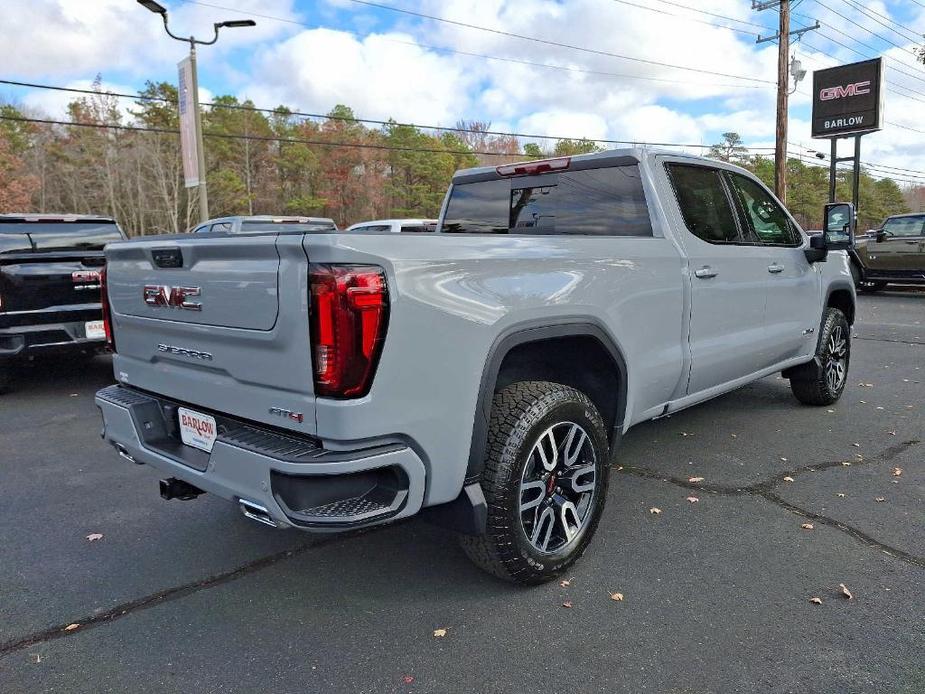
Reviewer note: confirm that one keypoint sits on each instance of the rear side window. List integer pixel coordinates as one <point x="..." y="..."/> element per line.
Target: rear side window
<point x="704" y="204"/>
<point x="765" y="219"/>
<point x="592" y="202"/>
<point x="222" y="226"/>
<point x="417" y="228"/>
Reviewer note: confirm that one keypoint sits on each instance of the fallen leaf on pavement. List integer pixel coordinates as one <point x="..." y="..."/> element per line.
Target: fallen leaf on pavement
<point x="36" y="657"/>
<point x="892" y="433"/>
<point x="618" y="597"/>
<point x="734" y="436"/>
<point x="693" y="499"/>
<point x="71" y="627"/>
<point x="807" y="526"/>
<point x="694" y="480"/>
<point x="93" y="537"/>
<point x="655" y="511"/>
<point x="567" y="603"/>
<point x="565" y="582"/>
<point x="846" y="463"/>
<point x="897" y="471"/>
<point x="788" y="478"/>
<point x="845" y="591"/>
<point x="856" y="445"/>
<point x="816" y="601"/>
<point x="840" y="495"/>
<point x="408" y="679"/>
<point x="879" y="499"/>
<point x="439" y="633"/>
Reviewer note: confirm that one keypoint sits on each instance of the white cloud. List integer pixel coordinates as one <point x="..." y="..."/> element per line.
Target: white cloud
<point x="68" y="38"/>
<point x="381" y="76"/>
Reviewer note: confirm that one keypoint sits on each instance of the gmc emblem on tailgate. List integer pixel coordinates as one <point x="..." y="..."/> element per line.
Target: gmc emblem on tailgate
<point x="173" y="297"/>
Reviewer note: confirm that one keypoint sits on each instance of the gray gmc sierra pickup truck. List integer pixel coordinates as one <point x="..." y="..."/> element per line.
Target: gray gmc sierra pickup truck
<point x="481" y="375"/>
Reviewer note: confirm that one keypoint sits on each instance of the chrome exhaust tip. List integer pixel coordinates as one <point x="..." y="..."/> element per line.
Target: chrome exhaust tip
<point x="256" y="512"/>
<point x="123" y="453"/>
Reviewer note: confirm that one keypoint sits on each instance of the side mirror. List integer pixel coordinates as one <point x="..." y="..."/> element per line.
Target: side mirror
<point x="818" y="249"/>
<point x="838" y="226"/>
<point x="879" y="235"/>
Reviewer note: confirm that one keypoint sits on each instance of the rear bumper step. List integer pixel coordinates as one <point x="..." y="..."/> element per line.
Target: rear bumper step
<point x="275" y="478"/>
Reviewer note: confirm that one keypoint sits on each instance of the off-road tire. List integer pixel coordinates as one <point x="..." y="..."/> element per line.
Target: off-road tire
<point x="818" y="389"/>
<point x="520" y="414"/>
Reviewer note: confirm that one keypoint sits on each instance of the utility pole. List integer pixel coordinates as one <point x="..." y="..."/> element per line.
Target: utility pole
<point x="156" y="8"/>
<point x="783" y="88"/>
<point x="783" y="103"/>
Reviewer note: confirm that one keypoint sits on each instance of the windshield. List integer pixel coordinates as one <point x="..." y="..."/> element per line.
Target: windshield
<point x="905" y="226"/>
<point x="53" y="236"/>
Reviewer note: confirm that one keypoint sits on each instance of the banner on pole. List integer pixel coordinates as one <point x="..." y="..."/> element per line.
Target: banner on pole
<point x="188" y="142"/>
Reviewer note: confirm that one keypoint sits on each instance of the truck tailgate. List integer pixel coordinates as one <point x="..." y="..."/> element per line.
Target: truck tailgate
<point x="220" y="322"/>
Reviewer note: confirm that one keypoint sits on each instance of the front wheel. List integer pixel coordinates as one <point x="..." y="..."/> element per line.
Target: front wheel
<point x="545" y="482"/>
<point x="825" y="384"/>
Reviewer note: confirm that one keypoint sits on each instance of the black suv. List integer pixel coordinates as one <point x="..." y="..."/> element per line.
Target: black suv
<point x="50" y="285"/>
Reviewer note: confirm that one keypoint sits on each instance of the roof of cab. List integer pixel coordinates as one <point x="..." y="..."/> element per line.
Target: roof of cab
<point x="44" y="217"/>
<point x="613" y="157"/>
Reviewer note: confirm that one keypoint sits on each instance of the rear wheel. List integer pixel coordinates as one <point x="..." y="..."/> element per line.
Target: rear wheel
<point x="545" y="482"/>
<point x="833" y="354"/>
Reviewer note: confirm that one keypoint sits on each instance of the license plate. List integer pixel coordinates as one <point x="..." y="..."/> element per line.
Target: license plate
<point x="196" y="429"/>
<point x="94" y="330"/>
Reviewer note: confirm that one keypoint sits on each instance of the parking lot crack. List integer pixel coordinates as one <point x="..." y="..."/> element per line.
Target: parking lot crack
<point x="155" y="599"/>
<point x="765" y="490"/>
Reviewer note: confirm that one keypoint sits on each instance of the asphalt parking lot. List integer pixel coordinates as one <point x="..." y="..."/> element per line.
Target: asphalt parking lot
<point x="190" y="596"/>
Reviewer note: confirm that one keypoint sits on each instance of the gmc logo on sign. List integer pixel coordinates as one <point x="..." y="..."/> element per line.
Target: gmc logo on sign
<point x="856" y="89"/>
<point x="173" y="297"/>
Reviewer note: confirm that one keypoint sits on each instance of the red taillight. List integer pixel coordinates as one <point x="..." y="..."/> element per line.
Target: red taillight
<point x="534" y="167"/>
<point x="349" y="314"/>
<point x="107" y="318"/>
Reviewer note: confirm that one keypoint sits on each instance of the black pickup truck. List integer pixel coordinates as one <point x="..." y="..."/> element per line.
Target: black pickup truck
<point x="50" y="286"/>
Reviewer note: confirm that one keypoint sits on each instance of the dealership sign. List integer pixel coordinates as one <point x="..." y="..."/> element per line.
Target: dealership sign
<point x="846" y="99"/>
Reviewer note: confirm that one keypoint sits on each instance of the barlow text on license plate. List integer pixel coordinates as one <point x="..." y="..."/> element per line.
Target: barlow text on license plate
<point x="196" y="429"/>
<point x="94" y="330"/>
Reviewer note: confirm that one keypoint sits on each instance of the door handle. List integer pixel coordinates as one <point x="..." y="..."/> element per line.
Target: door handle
<point x="705" y="272"/>
<point x="774" y="268"/>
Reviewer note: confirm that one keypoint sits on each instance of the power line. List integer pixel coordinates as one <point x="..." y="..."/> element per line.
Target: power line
<point x="357" y="145"/>
<point x="534" y="39"/>
<point x="869" y="13"/>
<point x="516" y="61"/>
<point x="867" y="29"/>
<point x="863" y="55"/>
<point x="714" y="14"/>
<point x="324" y="143"/>
<point x="349" y="119"/>
<point x="690" y="19"/>
<point x="920" y="78"/>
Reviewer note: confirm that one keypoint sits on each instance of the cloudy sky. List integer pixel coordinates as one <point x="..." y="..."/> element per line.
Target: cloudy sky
<point x="678" y="71"/>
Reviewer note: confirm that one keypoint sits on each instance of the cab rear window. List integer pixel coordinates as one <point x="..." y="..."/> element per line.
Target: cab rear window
<point x="53" y="235"/>
<point x="607" y="201"/>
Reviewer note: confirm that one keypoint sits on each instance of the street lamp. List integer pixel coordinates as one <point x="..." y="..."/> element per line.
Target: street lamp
<point x="157" y="8"/>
